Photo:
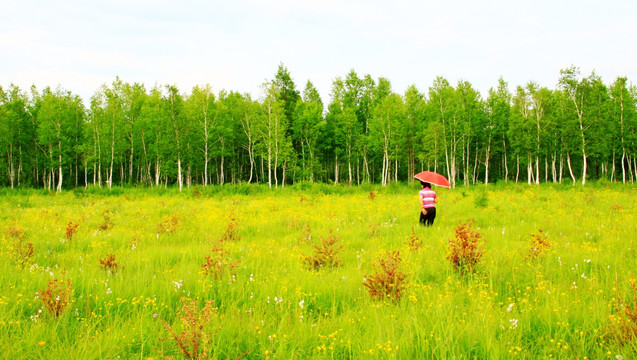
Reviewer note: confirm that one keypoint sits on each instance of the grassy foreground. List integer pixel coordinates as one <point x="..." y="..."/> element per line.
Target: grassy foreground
<point x="565" y="304"/>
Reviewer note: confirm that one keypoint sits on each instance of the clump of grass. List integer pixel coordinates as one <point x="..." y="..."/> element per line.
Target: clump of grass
<point x="56" y="296"/>
<point x="465" y="250"/>
<point x="540" y="245"/>
<point x="169" y="225"/>
<point x="413" y="241"/>
<point x="388" y="281"/>
<point x="109" y="264"/>
<point x="481" y="200"/>
<point x="71" y="229"/>
<point x="623" y="320"/>
<point x="219" y="262"/>
<point x="326" y="254"/>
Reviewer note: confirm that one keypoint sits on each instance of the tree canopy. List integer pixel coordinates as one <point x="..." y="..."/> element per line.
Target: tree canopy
<point x="366" y="132"/>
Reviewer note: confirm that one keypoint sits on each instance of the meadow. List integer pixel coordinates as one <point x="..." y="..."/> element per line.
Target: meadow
<point x="93" y="274"/>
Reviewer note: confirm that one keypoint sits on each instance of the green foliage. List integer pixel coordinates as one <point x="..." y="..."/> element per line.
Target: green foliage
<point x="481" y="199"/>
<point x="365" y="133"/>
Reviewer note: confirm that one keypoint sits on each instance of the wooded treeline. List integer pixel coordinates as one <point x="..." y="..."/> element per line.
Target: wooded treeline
<point x="130" y="135"/>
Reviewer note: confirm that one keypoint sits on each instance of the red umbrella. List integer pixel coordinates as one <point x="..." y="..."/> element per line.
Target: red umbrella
<point x="433" y="178"/>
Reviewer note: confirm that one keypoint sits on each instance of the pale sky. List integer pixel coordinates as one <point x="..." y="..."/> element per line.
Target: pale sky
<point x="238" y="44"/>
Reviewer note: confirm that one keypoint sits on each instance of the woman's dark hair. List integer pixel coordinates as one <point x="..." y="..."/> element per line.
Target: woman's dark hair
<point x="425" y="184"/>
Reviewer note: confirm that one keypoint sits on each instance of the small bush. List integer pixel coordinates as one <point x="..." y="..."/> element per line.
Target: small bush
<point x="413" y="241"/>
<point x="623" y="320"/>
<point x="388" y="281"/>
<point x="71" y="229"/>
<point x="232" y="230"/>
<point x="466" y="248"/>
<point x="109" y="264"/>
<point x="192" y="336"/>
<point x="326" y="254"/>
<point x="56" y="296"/>
<point x="169" y="225"/>
<point x="193" y="340"/>
<point x="218" y="263"/>
<point x="108" y="223"/>
<point x="22" y="250"/>
<point x="540" y="245"/>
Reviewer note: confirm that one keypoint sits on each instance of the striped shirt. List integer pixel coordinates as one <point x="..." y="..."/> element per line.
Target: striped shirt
<point x="428" y="198"/>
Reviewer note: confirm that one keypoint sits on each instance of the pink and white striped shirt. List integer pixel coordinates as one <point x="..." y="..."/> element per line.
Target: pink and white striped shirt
<point x="428" y="198"/>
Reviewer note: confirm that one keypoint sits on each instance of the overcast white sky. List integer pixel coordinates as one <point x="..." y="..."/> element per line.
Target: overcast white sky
<point x="238" y="44"/>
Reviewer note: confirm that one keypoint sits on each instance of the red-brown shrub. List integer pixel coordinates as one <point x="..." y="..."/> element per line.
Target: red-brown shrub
<point x="388" y="281"/>
<point x="466" y="248"/>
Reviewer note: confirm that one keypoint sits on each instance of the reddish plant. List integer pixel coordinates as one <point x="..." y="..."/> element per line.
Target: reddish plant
<point x="56" y="296"/>
<point x="169" y="225"/>
<point x="16" y="231"/>
<point x="540" y="244"/>
<point x="373" y="230"/>
<point x="325" y="254"/>
<point x="108" y="223"/>
<point x="466" y="248"/>
<point x="623" y="320"/>
<point x="71" y="229"/>
<point x="413" y="241"/>
<point x="388" y="281"/>
<point x="22" y="249"/>
<point x="191" y="336"/>
<point x="109" y="264"/>
<point x="372" y="196"/>
<point x="218" y="263"/>
<point x="232" y="230"/>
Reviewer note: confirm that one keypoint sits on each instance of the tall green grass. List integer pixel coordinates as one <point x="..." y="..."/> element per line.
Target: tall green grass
<point x="274" y="306"/>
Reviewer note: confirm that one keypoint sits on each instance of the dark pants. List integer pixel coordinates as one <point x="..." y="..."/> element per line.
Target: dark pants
<point x="428" y="220"/>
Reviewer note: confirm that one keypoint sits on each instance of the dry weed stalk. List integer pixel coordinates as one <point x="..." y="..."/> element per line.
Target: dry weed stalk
<point x="388" y="281"/>
<point x="56" y="296"/>
<point x="372" y="196"/>
<point x="466" y="248"/>
<point x="325" y="255"/>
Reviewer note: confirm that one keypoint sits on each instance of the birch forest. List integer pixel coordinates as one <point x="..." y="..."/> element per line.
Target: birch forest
<point x="129" y="135"/>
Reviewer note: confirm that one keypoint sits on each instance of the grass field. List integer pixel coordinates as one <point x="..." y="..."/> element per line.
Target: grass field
<point x="107" y="276"/>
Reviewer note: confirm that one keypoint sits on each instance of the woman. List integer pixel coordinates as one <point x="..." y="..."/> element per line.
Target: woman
<point x="428" y="204"/>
